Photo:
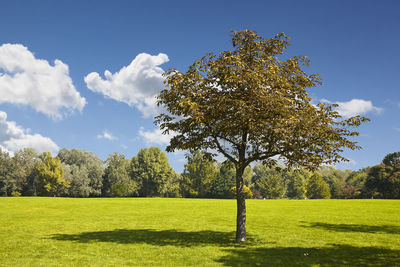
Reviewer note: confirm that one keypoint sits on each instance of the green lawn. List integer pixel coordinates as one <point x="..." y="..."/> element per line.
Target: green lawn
<point x="197" y="232"/>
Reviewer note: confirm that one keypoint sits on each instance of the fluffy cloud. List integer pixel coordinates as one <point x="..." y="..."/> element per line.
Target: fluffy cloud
<point x="155" y="137"/>
<point x="13" y="138"/>
<point x="34" y="82"/>
<point x="135" y="84"/>
<point x="106" y="135"/>
<point x="354" y="107"/>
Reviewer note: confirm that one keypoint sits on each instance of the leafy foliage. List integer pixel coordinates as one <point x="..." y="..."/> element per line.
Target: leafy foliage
<point x="247" y="191"/>
<point x="86" y="168"/>
<point x="317" y="188"/>
<point x="336" y="180"/>
<point x="254" y="102"/>
<point x="383" y="180"/>
<point x="222" y="186"/>
<point x="77" y="177"/>
<point x="198" y="175"/>
<point x="17" y="172"/>
<point x="297" y="183"/>
<point x="5" y="172"/>
<point x="151" y="170"/>
<point x="251" y="106"/>
<point x="269" y="182"/>
<point x="50" y="176"/>
<point x="116" y="179"/>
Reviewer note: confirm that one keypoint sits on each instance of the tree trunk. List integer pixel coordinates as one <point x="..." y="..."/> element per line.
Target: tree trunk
<point x="241" y="207"/>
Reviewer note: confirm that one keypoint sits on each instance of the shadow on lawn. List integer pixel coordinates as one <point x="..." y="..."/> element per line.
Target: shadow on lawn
<point x="362" y="228"/>
<point x="155" y="237"/>
<point x="336" y="255"/>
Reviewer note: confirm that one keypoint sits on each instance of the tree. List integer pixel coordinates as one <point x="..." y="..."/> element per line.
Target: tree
<point x="50" y="176"/>
<point x="90" y="172"/>
<point x="336" y="179"/>
<point x="383" y="180"/>
<point x="198" y="175"/>
<point x="356" y="181"/>
<point x="78" y="179"/>
<point x="222" y="186"/>
<point x="225" y="181"/>
<point x="392" y="159"/>
<point x="150" y="168"/>
<point x="5" y="171"/>
<point x="24" y="162"/>
<point x="117" y="181"/>
<point x="297" y="183"/>
<point x="269" y="182"/>
<point x="317" y="188"/>
<point x="249" y="106"/>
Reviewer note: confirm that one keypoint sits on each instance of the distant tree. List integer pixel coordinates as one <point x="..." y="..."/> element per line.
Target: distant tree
<point x="355" y="184"/>
<point x="225" y="181"/>
<point x="247" y="176"/>
<point x="90" y="171"/>
<point x="156" y="178"/>
<point x="383" y="180"/>
<point x="6" y="182"/>
<point x="222" y="186"/>
<point x="297" y="183"/>
<point x="250" y="106"/>
<point x="247" y="190"/>
<point x="317" y="188"/>
<point x="50" y="176"/>
<point x="198" y="175"/>
<point x="336" y="180"/>
<point x="117" y="181"/>
<point x="24" y="161"/>
<point x="269" y="182"/>
<point x="392" y="159"/>
<point x="78" y="179"/>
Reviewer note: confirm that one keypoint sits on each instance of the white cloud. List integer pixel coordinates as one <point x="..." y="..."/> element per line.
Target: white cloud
<point x="156" y="136"/>
<point x="136" y="84"/>
<point x="27" y="80"/>
<point x="106" y="135"/>
<point x="354" y="107"/>
<point x="14" y="137"/>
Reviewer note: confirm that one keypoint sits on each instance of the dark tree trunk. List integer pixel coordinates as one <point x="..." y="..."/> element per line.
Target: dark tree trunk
<point x="241" y="207"/>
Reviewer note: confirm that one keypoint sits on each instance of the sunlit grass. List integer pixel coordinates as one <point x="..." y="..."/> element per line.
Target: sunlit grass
<point x="197" y="232"/>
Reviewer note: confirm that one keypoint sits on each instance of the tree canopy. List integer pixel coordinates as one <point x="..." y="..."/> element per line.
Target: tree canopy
<point x="249" y="105"/>
<point x="383" y="180"/>
<point x="317" y="187"/>
<point x="151" y="169"/>
<point x="84" y="170"/>
<point x="50" y="176"/>
<point x="198" y="175"/>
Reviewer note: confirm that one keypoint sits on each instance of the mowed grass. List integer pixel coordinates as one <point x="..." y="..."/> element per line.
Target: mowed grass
<point x="197" y="232"/>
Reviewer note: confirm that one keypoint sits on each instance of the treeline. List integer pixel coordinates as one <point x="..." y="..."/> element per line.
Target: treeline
<point x="79" y="173"/>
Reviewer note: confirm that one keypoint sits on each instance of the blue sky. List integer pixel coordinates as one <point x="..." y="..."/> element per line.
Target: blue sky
<point x="353" y="45"/>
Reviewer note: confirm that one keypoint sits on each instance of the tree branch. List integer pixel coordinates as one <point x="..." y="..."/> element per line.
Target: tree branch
<point x="227" y="139"/>
<point x="261" y="156"/>
<point x="220" y="149"/>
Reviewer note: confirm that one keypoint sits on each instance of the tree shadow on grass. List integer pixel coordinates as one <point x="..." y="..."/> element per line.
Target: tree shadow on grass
<point x="336" y="255"/>
<point x="362" y="228"/>
<point x="155" y="237"/>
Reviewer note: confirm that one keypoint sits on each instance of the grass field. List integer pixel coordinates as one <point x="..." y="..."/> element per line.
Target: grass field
<point x="197" y="232"/>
